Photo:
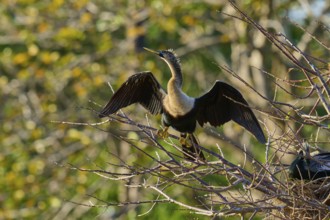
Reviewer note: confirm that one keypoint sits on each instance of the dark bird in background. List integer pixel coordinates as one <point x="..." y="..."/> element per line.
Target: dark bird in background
<point x="310" y="167"/>
<point x="181" y="112"/>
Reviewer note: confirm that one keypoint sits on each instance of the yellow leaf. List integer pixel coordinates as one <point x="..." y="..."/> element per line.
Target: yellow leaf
<point x="33" y="50"/>
<point x="76" y="72"/>
<point x="189" y="20"/>
<point x="19" y="194"/>
<point x="42" y="27"/>
<point x="85" y="18"/>
<point x="54" y="202"/>
<point x="46" y="57"/>
<point x="21" y="58"/>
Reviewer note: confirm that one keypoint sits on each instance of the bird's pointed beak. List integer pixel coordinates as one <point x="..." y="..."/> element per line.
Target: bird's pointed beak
<point x="151" y="51"/>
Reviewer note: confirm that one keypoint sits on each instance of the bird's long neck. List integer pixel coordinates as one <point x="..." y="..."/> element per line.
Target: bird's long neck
<point x="176" y="78"/>
<point x="174" y="88"/>
<point x="174" y="85"/>
<point x="177" y="102"/>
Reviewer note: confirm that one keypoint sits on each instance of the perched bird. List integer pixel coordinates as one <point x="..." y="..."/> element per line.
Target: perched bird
<point x="310" y="167"/>
<point x="181" y="112"/>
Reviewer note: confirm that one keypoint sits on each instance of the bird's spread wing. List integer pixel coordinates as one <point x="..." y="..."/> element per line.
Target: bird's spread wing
<point x="224" y="103"/>
<point x="140" y="88"/>
<point x="321" y="161"/>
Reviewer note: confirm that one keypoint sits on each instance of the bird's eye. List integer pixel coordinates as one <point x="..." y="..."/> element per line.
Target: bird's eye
<point x="161" y="54"/>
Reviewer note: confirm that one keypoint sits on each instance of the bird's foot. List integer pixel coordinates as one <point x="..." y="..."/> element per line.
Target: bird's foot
<point x="185" y="141"/>
<point x="190" y="148"/>
<point x="163" y="133"/>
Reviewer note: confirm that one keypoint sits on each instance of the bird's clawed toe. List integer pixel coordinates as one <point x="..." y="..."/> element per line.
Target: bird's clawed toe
<point x="184" y="141"/>
<point x="163" y="133"/>
<point x="190" y="148"/>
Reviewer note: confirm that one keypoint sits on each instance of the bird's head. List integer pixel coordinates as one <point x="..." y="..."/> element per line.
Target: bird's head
<point x="297" y="168"/>
<point x="168" y="56"/>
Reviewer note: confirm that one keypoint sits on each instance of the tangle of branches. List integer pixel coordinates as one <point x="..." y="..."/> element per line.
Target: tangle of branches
<point x="220" y="187"/>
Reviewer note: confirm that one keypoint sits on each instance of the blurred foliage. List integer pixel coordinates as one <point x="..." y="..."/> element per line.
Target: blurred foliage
<point x="55" y="59"/>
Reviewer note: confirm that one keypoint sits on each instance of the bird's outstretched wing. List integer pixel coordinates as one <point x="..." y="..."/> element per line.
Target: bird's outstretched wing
<point x="140" y="88"/>
<point x="321" y="162"/>
<point x="224" y="103"/>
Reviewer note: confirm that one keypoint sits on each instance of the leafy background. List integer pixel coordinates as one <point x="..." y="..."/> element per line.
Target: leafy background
<point x="57" y="56"/>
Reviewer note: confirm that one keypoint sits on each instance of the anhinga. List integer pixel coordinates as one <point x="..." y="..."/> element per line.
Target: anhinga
<point x="181" y="112"/>
<point x="310" y="167"/>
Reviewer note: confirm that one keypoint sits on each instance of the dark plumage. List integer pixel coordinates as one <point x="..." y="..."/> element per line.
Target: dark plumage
<point x="310" y="167"/>
<point x="140" y="88"/>
<point x="218" y="106"/>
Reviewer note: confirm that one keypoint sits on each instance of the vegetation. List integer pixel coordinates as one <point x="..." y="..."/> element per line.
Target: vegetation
<point x="60" y="161"/>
